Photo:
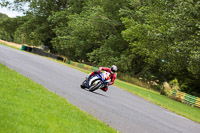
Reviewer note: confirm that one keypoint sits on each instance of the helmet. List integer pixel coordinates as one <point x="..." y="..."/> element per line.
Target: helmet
<point x="113" y="69"/>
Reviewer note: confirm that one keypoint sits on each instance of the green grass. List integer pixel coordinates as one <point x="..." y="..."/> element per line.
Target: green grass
<point x="189" y="112"/>
<point x="172" y="105"/>
<point x="9" y="45"/>
<point x="150" y="95"/>
<point x="26" y="106"/>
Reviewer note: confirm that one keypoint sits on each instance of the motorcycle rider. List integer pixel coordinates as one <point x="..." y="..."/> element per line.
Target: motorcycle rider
<point x="112" y="72"/>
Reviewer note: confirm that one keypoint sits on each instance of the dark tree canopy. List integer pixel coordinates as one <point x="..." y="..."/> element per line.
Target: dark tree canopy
<point x="153" y="39"/>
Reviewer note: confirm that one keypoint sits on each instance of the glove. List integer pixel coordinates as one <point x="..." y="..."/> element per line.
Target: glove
<point x="91" y="74"/>
<point x="88" y="76"/>
<point x="97" y="71"/>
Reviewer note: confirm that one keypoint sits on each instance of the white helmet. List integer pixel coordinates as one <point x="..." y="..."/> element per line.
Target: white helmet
<point x="113" y="69"/>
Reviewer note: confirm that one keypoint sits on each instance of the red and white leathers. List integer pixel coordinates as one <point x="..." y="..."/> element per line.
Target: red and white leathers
<point x="112" y="76"/>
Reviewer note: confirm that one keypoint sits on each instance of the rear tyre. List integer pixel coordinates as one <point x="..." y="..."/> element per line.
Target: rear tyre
<point x="83" y="85"/>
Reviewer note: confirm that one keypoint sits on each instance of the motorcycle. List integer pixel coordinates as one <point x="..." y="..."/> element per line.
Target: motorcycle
<point x="96" y="81"/>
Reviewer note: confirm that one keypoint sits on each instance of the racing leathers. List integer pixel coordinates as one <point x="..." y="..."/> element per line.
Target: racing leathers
<point x="112" y="76"/>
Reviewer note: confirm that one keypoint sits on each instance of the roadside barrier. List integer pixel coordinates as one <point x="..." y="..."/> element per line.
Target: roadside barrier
<point x="84" y="66"/>
<point x="42" y="53"/>
<point x="185" y="98"/>
<point x="177" y="95"/>
<point x="23" y="47"/>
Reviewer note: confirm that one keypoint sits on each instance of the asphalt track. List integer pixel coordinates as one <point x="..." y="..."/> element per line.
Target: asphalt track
<point x="121" y="110"/>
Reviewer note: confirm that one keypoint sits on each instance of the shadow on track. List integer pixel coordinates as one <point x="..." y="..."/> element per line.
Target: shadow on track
<point x="95" y="92"/>
<point x="99" y="94"/>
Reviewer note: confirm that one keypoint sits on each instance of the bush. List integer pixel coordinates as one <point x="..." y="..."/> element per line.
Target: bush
<point x="174" y="84"/>
<point x="166" y="89"/>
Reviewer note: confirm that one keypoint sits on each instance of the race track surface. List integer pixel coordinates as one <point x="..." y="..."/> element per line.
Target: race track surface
<point x="121" y="110"/>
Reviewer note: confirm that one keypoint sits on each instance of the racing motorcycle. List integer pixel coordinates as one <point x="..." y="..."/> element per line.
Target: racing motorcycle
<point x="96" y="81"/>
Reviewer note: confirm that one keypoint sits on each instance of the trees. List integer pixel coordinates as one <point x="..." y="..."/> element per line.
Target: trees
<point x="36" y="29"/>
<point x="166" y="37"/>
<point x="9" y="26"/>
<point x="3" y="34"/>
<point x="157" y="39"/>
<point x="85" y="35"/>
<point x="3" y="16"/>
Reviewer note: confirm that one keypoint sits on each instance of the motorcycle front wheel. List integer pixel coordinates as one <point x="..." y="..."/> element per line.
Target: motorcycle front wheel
<point x="96" y="85"/>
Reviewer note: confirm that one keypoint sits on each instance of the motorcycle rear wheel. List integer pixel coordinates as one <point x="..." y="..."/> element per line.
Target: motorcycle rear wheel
<point x="83" y="86"/>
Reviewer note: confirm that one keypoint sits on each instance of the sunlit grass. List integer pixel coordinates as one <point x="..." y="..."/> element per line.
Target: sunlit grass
<point x="155" y="97"/>
<point x="150" y="95"/>
<point x="4" y="43"/>
<point x="174" y="106"/>
<point x="26" y="106"/>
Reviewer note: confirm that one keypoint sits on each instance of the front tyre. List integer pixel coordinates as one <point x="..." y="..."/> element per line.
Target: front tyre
<point x="96" y="85"/>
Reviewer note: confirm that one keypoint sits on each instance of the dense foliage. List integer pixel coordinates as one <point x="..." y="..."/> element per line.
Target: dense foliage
<point x="154" y="39"/>
<point x="3" y="34"/>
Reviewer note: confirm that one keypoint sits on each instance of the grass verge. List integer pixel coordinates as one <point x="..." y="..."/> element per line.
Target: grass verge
<point x="12" y="45"/>
<point x="163" y="101"/>
<point x="150" y="95"/>
<point x="26" y="106"/>
<point x="154" y="97"/>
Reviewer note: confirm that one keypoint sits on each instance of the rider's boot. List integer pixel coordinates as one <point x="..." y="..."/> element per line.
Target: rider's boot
<point x="104" y="88"/>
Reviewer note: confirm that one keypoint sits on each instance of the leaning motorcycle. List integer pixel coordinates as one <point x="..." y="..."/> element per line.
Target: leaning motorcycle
<point x="96" y="81"/>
